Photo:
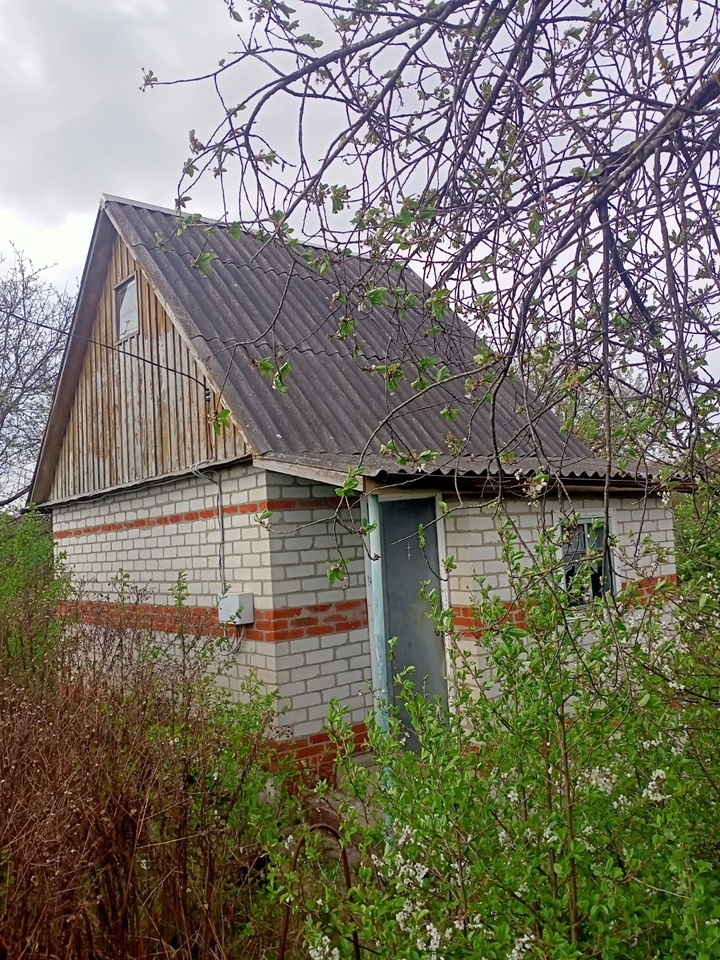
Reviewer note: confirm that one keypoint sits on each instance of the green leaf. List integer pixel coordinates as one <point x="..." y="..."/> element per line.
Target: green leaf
<point x="337" y="571"/>
<point x="351" y="482"/>
<point x="263" y="517"/>
<point x="377" y="296"/>
<point x="424" y="362"/>
<point x="346" y="327"/>
<point x="450" y="413"/>
<point x="266" y="366"/>
<point x="221" y="418"/>
<point x="438" y="303"/>
<point x="392" y="372"/>
<point x="202" y="263"/>
<point x="338" y="196"/>
<point x="281" y="372"/>
<point x="310" y="41"/>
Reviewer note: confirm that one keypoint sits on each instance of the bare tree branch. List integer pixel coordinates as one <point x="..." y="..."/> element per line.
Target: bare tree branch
<point x="503" y="150"/>
<point x="34" y="319"/>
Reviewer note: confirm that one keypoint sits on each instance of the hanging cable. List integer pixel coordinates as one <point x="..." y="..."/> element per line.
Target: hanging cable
<point x="114" y="349"/>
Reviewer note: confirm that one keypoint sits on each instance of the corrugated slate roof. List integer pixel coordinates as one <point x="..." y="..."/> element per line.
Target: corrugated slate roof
<point x="580" y="471"/>
<point x="261" y="299"/>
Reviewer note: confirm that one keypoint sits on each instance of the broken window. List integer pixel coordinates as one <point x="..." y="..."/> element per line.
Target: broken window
<point x="587" y="567"/>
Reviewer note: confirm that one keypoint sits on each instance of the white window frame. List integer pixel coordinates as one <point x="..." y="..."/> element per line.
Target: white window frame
<point x="120" y="293"/>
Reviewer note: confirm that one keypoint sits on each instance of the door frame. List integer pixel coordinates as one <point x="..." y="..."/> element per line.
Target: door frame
<point x="375" y="593"/>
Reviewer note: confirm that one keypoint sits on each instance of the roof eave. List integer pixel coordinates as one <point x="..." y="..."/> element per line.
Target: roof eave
<point x="475" y="481"/>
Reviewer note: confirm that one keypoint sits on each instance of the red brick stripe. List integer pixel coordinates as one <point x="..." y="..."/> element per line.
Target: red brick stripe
<point x="467" y="622"/>
<point x="648" y="586"/>
<point x="273" y="626"/>
<point x="308" y="503"/>
<point x="317" y="752"/>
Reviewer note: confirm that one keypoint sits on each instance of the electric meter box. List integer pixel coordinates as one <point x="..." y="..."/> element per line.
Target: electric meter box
<point x="236" y="608"/>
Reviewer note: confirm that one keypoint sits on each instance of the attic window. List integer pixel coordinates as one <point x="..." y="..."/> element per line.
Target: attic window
<point x="126" y="309"/>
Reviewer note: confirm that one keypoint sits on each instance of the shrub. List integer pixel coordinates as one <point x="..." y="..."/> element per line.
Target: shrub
<point x="137" y="806"/>
<point x="566" y="807"/>
<point x="31" y="585"/>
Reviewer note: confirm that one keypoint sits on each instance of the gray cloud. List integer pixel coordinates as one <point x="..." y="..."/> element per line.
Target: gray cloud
<point x="73" y="120"/>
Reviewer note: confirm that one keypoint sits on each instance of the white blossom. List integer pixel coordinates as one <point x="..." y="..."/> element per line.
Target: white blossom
<point x="406" y="835"/>
<point x="520" y="947"/>
<point x="322" y="950"/>
<point x="654" y="790"/>
<point x="404" y="915"/>
<point x="549" y="835"/>
<point x="602" y="779"/>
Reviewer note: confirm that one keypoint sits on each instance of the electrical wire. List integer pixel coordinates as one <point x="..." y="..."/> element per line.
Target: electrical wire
<point x="233" y="649"/>
<point x="114" y="349"/>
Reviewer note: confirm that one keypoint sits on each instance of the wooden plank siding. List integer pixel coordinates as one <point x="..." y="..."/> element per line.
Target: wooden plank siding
<point x="131" y="421"/>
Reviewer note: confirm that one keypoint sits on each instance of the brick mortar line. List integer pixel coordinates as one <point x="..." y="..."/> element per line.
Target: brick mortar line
<point x="191" y="515"/>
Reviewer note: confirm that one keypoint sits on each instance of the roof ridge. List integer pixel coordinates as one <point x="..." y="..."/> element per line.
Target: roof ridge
<point x="224" y="224"/>
<point x="106" y="198"/>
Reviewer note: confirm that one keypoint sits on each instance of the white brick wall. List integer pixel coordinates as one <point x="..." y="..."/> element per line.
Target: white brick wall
<point x="154" y="555"/>
<point x="304" y="541"/>
<point x="285" y="566"/>
<point x="472" y="538"/>
<point x="314" y="670"/>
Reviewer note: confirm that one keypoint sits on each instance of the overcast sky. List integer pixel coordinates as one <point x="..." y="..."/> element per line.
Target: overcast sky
<point x="75" y="124"/>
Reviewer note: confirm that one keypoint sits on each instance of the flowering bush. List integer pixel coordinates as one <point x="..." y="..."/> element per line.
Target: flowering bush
<point x="566" y="807"/>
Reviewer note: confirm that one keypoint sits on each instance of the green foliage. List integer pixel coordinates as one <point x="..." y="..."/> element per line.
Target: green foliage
<point x="337" y="571"/>
<point x="221" y="420"/>
<point x="275" y="370"/>
<point x="203" y="263"/>
<point x="565" y="808"/>
<point x="351" y="483"/>
<point x="31" y="586"/>
<point x="697" y="540"/>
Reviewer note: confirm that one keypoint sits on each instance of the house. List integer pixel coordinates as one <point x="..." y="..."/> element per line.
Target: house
<point x="214" y="393"/>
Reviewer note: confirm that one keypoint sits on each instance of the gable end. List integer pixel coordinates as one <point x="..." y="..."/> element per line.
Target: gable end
<point x="128" y="408"/>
